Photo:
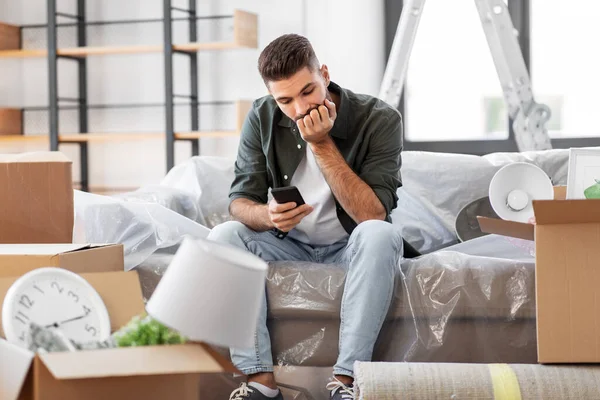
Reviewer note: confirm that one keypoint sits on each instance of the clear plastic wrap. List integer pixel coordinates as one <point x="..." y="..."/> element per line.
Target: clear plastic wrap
<point x="191" y="199"/>
<point x="448" y="306"/>
<point x="142" y="227"/>
<point x="198" y="188"/>
<point x="471" y="303"/>
<point x="207" y="180"/>
<point x="180" y="201"/>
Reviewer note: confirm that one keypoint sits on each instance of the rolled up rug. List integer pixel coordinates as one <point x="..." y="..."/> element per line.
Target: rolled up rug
<point x="450" y="381"/>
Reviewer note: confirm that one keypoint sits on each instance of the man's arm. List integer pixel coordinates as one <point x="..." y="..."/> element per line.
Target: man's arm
<point x="372" y="194"/>
<point x="254" y="215"/>
<point x="353" y="194"/>
<point x="250" y="186"/>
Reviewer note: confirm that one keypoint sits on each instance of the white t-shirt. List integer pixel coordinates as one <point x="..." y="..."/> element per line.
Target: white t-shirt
<point x="321" y="226"/>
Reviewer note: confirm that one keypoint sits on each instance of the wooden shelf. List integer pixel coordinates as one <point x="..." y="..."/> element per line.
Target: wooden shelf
<point x="106" y="190"/>
<point x="23" y="53"/>
<point x="201" y="134"/>
<point x="112" y="137"/>
<point x="245" y="28"/>
<point x="23" y="138"/>
<point x="13" y="123"/>
<point x="82" y="138"/>
<point x="108" y="137"/>
<point x="105" y="50"/>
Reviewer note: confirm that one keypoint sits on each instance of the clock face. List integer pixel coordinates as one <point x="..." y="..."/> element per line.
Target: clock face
<point x="55" y="299"/>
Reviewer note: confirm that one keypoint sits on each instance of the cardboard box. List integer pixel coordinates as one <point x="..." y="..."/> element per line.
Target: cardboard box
<point x="17" y="259"/>
<point x="10" y="37"/>
<point x="567" y="274"/>
<point x="11" y="121"/>
<point x="36" y="193"/>
<point x="150" y="372"/>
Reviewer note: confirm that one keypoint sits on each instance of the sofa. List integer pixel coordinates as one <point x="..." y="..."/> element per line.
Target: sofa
<point x="470" y="301"/>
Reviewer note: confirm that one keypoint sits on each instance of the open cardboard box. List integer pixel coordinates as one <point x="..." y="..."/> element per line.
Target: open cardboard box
<point x="567" y="275"/>
<point x="17" y="259"/>
<point x="149" y="372"/>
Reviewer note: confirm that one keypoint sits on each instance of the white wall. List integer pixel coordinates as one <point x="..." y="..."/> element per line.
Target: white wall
<point x="347" y="37"/>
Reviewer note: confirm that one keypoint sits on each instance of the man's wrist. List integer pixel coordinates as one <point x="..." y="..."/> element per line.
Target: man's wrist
<point x="265" y="217"/>
<point x="326" y="144"/>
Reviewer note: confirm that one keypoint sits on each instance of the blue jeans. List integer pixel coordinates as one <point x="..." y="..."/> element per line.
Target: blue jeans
<point x="371" y="257"/>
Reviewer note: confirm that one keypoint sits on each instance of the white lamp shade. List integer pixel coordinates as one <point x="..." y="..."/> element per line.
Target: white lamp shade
<point x="514" y="187"/>
<point x="14" y="366"/>
<point x="211" y="292"/>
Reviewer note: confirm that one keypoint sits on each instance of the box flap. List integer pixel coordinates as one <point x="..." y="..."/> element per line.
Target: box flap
<point x="40" y="249"/>
<point x="549" y="212"/>
<point x="37" y="156"/>
<point x="506" y="228"/>
<point x="131" y="361"/>
<point x="106" y="258"/>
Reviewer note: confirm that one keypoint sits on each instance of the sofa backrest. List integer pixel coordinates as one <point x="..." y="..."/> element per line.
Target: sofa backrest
<point x="436" y="186"/>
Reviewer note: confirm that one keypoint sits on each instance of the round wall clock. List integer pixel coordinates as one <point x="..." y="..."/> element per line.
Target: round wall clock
<point x="54" y="298"/>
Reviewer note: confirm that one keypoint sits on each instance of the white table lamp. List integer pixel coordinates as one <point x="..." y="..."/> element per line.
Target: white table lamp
<point x="211" y="292"/>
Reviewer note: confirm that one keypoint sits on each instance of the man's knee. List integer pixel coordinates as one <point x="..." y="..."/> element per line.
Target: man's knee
<point x="379" y="236"/>
<point x="228" y="232"/>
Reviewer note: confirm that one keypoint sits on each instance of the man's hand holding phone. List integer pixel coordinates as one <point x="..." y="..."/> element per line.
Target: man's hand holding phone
<point x="287" y="208"/>
<point x="287" y="215"/>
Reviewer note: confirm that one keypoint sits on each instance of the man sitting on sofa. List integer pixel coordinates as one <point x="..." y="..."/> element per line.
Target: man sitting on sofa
<point x="343" y="152"/>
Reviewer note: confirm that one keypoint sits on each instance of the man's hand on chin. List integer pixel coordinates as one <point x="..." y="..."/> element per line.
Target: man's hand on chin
<point x="315" y="126"/>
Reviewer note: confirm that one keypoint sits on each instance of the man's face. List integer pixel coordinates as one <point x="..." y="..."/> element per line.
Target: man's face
<point x="302" y="92"/>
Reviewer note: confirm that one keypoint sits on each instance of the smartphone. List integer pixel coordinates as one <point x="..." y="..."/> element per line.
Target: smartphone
<point x="287" y="194"/>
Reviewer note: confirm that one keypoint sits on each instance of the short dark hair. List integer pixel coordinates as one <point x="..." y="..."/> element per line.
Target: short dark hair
<point x="285" y="56"/>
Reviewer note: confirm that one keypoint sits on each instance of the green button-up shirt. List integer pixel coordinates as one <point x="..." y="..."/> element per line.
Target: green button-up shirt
<point x="367" y="131"/>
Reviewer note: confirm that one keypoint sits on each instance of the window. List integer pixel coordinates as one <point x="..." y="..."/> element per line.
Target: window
<point x="452" y="91"/>
<point x="565" y="64"/>
<point x="496" y="123"/>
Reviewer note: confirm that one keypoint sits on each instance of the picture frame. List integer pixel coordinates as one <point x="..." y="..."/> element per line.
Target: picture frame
<point x="583" y="180"/>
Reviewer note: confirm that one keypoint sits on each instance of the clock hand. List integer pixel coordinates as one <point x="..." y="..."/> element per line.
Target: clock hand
<point x="72" y="319"/>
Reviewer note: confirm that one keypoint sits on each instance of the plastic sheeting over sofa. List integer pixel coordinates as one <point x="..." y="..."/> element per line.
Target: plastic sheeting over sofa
<point x="455" y="305"/>
<point x="436" y="187"/>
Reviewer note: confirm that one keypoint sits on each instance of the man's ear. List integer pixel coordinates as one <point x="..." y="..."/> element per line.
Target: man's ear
<point x="325" y="74"/>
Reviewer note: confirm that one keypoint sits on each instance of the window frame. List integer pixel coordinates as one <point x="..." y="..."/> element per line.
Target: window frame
<point x="520" y="12"/>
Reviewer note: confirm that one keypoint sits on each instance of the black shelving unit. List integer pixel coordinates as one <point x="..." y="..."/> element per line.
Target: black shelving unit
<point x="245" y="36"/>
<point x="169" y="94"/>
<point x="54" y="99"/>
